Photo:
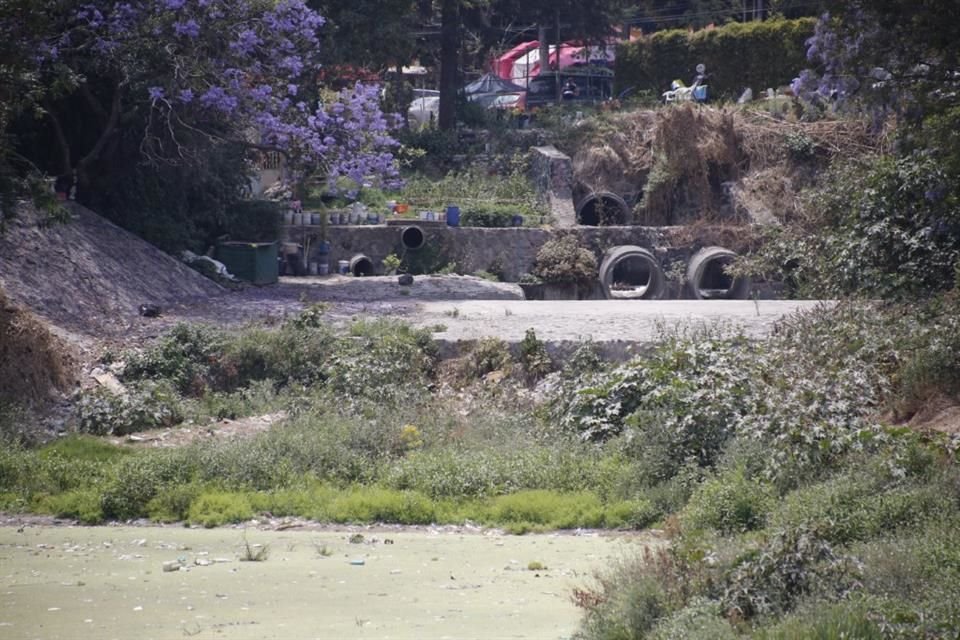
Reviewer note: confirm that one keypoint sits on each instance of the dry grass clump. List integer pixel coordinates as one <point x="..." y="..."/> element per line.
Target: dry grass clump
<point x="33" y="362"/>
<point x="697" y="152"/>
<point x="765" y="138"/>
<point x="617" y="156"/>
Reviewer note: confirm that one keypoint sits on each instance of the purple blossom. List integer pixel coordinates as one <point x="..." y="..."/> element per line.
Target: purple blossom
<point x="217" y="98"/>
<point x="156" y="93"/>
<point x="189" y="28"/>
<point x="186" y="96"/>
<point x="247" y="40"/>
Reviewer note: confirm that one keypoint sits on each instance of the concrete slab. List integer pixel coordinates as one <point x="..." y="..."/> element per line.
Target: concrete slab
<point x="618" y="327"/>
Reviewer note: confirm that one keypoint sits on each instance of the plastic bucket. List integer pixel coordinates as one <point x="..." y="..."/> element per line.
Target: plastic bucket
<point x="323" y="269"/>
<point x="343" y="267"/>
<point x="453" y="216"/>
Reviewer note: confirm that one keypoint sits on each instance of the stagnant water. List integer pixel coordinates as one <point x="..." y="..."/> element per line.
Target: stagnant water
<point x="170" y="582"/>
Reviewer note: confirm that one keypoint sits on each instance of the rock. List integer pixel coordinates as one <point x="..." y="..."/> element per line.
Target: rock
<point x="150" y="310"/>
<point x="405" y="280"/>
<point x="171" y="565"/>
<point x="109" y="381"/>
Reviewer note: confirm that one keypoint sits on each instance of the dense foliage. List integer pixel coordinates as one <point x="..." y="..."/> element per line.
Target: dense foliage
<point x="738" y="56"/>
<point x="132" y="102"/>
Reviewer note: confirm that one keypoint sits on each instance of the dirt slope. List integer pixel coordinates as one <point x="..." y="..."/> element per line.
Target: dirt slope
<point x="88" y="275"/>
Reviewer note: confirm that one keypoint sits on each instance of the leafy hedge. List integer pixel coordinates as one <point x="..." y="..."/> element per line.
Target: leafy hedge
<point x="737" y="56"/>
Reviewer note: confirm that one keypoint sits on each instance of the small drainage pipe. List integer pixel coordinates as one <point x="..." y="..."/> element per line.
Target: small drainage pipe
<point x="361" y="265"/>
<point x="629" y="272"/>
<point x="708" y="279"/>
<point x="602" y="208"/>
<point x="412" y="238"/>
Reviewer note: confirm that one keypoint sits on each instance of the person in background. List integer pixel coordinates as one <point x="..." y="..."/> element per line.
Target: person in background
<point x="570" y="90"/>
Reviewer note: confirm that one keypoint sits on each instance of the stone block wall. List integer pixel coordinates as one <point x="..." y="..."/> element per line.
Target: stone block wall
<point x="508" y="251"/>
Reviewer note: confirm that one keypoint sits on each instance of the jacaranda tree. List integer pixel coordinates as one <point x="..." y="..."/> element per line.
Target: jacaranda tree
<point x="184" y="81"/>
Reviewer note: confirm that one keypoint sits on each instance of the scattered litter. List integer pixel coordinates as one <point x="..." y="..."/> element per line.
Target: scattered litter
<point x="358" y="561"/>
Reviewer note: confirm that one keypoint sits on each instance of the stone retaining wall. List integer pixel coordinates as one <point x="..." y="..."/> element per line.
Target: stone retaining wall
<point x="509" y="252"/>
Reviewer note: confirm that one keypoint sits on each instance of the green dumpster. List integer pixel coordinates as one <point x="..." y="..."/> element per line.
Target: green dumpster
<point x="254" y="262"/>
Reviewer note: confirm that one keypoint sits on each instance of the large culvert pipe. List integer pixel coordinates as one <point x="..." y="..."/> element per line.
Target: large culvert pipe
<point x="602" y="208"/>
<point x="631" y="273"/>
<point x="412" y="238"/>
<point x="707" y="276"/>
<point x="361" y="265"/>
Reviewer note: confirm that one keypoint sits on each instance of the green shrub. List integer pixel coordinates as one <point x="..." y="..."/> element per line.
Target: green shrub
<point x="699" y="620"/>
<point x="626" y="605"/>
<point x="631" y="514"/>
<point x="183" y="356"/>
<point x="729" y="503"/>
<point x="486" y="356"/>
<point x="147" y="405"/>
<point x="533" y="357"/>
<point x="139" y="478"/>
<point x="825" y="621"/>
<point x="172" y="503"/>
<point x="786" y="568"/>
<point x="83" y="447"/>
<point x="216" y="508"/>
<point x="562" y="259"/>
<point x="487" y="215"/>
<point x="372" y="504"/>
<point x="380" y="359"/>
<point x="80" y="504"/>
<point x="547" y="509"/>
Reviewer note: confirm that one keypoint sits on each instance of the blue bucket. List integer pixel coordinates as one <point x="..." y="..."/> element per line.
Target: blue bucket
<point x="453" y="216"/>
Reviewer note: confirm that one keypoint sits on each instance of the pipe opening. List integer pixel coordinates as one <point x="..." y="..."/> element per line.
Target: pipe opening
<point x="715" y="281"/>
<point x="361" y="265"/>
<point x="629" y="272"/>
<point x="632" y="278"/>
<point x="602" y="209"/>
<point x="412" y="238"/>
<point x="708" y="277"/>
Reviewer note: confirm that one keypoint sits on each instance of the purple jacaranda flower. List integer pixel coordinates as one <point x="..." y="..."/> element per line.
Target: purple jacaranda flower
<point x="190" y="28"/>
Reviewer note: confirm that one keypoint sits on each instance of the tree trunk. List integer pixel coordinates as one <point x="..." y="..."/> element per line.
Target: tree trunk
<point x="544" y="50"/>
<point x="449" y="57"/>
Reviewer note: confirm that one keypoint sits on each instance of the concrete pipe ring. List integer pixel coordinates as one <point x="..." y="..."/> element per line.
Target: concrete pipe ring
<point x="412" y="238"/>
<point x="602" y="208"/>
<point x="707" y="277"/>
<point x="361" y="265"/>
<point x="631" y="273"/>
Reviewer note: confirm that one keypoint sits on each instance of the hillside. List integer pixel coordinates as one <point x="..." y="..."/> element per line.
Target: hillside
<point x="88" y="275"/>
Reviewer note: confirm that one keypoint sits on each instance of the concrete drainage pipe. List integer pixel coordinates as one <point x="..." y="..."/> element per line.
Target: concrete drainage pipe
<point x="631" y="273"/>
<point x="361" y="265"/>
<point x="412" y="238"/>
<point x="602" y="208"/>
<point x="707" y="277"/>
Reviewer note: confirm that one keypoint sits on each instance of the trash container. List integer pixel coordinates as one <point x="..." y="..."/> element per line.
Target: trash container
<point x="255" y="262"/>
